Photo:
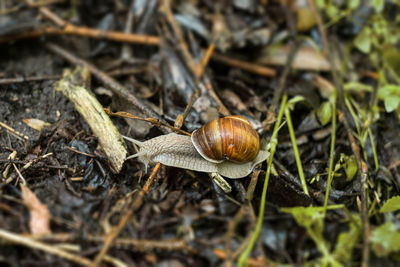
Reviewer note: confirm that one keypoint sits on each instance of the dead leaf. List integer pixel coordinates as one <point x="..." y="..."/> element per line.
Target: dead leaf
<point x="306" y="58"/>
<point x="36" y="123"/>
<point x="39" y="222"/>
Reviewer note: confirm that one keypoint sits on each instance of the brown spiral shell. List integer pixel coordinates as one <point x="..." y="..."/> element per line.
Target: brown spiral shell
<point x="229" y="138"/>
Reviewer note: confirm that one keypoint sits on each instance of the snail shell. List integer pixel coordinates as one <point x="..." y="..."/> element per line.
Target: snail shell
<point x="230" y="138"/>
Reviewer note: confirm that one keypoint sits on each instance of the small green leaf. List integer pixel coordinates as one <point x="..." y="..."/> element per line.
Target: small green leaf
<point x="391" y="103"/>
<point x="391" y="205"/>
<point x="385" y="239"/>
<point x="357" y="87"/>
<point x="353" y="4"/>
<point x="332" y="11"/>
<point x="320" y="4"/>
<point x="350" y="167"/>
<point x="390" y="94"/>
<point x="387" y="90"/>
<point x="325" y="113"/>
<point x="348" y="240"/>
<point x="312" y="219"/>
<point x="305" y="216"/>
<point x="363" y="40"/>
<point x="378" y="5"/>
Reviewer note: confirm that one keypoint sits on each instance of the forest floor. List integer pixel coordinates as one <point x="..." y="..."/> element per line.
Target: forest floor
<point x="318" y="81"/>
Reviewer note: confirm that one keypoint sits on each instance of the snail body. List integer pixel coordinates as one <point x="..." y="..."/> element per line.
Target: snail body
<point x="185" y="152"/>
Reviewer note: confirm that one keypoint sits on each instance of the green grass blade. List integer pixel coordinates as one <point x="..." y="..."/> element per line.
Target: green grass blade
<point x="333" y="139"/>
<point x="274" y="141"/>
<point x="296" y="151"/>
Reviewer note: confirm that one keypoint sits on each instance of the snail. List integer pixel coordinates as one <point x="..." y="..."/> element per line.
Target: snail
<point x="227" y="146"/>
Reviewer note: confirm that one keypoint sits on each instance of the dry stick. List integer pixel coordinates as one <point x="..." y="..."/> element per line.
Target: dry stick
<point x="126" y="50"/>
<point x="289" y="60"/>
<point x="10" y="129"/>
<point x="115" y="86"/>
<point x="188" y="60"/>
<point x="325" y="44"/>
<point x="47" y="13"/>
<point x="282" y="81"/>
<point x="85" y="32"/>
<point x="51" y="249"/>
<point x="204" y="61"/>
<point x="230" y="233"/>
<point x="123" y="114"/>
<point x="136" y="203"/>
<point x="28" y="79"/>
<point x="222" y="109"/>
<point x="199" y="72"/>
<point x="258" y="262"/>
<point x="40" y="3"/>
<point x="9" y="10"/>
<point x="244" y="65"/>
<point x="150" y="245"/>
<point x="253" y="262"/>
<point x="165" y="7"/>
<point x="129" y="243"/>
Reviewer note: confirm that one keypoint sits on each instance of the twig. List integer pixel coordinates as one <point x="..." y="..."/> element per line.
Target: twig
<point x="317" y="15"/>
<point x="165" y="8"/>
<point x="130" y="243"/>
<point x="222" y="109"/>
<point x="123" y="114"/>
<point x="2" y="124"/>
<point x="204" y="61"/>
<point x="24" y="241"/>
<point x="282" y="80"/>
<point x="126" y="50"/>
<point x="84" y="32"/>
<point x="28" y="79"/>
<point x="244" y="65"/>
<point x="257" y="262"/>
<point x="230" y="234"/>
<point x="288" y="66"/>
<point x="48" y="14"/>
<point x="198" y="72"/>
